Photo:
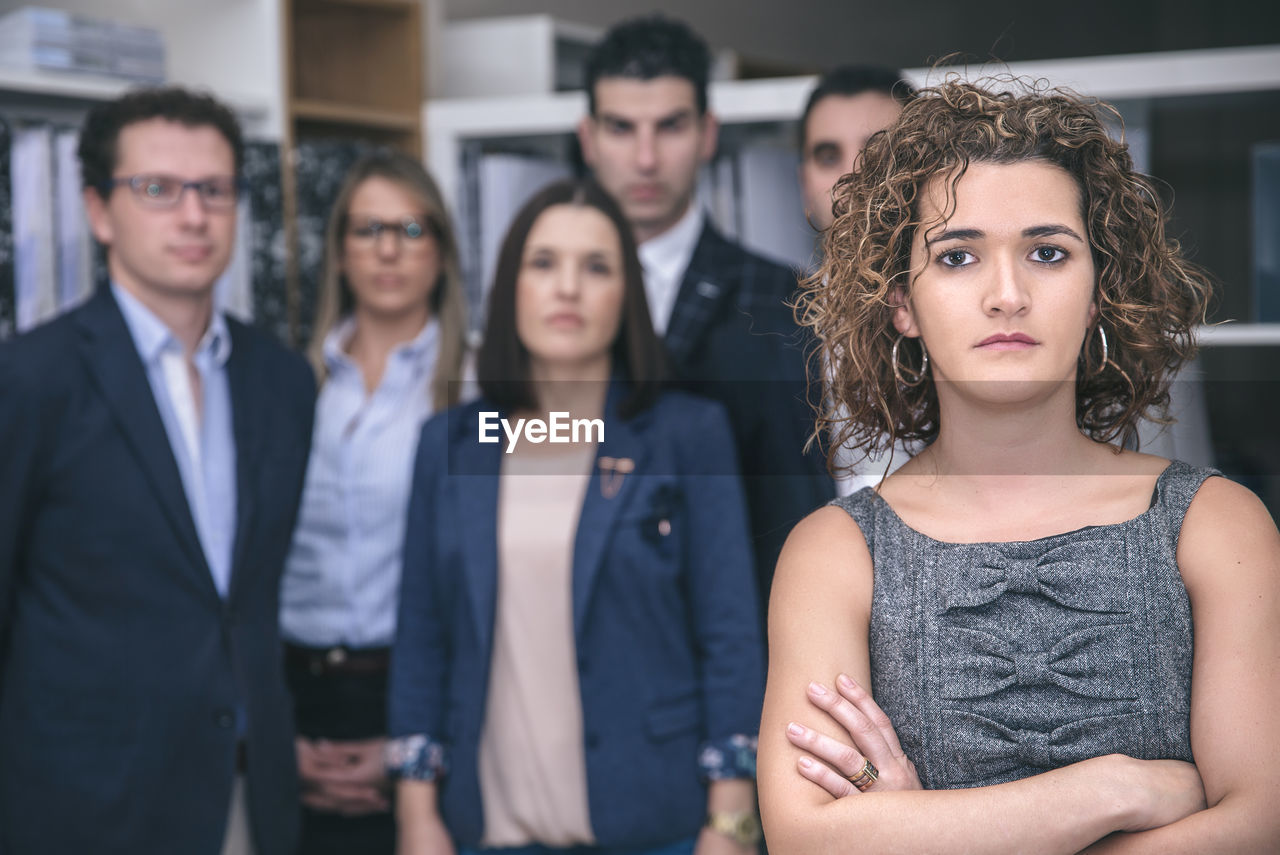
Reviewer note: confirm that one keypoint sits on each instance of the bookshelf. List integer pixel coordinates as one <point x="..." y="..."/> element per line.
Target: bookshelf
<point x="354" y="70"/>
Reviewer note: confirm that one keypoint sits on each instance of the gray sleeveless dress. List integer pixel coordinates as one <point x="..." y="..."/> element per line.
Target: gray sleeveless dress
<point x="997" y="661"/>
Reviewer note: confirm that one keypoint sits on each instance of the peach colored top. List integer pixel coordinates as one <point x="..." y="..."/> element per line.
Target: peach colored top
<point x="533" y="776"/>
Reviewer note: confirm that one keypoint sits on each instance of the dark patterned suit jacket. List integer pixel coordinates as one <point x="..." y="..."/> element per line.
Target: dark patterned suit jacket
<point x="121" y="666"/>
<point x="732" y="337"/>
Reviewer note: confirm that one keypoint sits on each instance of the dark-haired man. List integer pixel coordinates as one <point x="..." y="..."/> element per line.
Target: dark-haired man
<point x="154" y="455"/>
<point x="721" y="310"/>
<point x="849" y="104"/>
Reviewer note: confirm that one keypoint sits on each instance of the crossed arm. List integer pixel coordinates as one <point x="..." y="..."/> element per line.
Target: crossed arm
<point x="819" y="616"/>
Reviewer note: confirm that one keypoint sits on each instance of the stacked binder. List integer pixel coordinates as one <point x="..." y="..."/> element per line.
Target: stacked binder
<point x="38" y="39"/>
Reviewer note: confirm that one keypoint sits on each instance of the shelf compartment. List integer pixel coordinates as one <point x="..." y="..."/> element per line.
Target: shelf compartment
<point x="319" y="111"/>
<point x="363" y="52"/>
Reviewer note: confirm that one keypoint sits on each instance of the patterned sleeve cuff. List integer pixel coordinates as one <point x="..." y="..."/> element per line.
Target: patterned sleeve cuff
<point x="416" y="758"/>
<point x="733" y="757"/>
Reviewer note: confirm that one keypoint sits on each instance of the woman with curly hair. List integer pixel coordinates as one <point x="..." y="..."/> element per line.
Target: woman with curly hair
<point x="1028" y="638"/>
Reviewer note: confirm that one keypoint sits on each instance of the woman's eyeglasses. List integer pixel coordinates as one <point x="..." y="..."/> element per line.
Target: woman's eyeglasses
<point x="407" y="231"/>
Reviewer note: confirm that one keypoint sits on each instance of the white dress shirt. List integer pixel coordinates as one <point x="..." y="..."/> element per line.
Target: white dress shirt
<point x="665" y="258"/>
<point x="202" y="438"/>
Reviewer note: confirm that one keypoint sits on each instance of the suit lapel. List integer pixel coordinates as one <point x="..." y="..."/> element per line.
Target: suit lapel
<point x="247" y="408"/>
<point x="112" y="359"/>
<point x="622" y="440"/>
<point x="703" y="291"/>
<point x="476" y="469"/>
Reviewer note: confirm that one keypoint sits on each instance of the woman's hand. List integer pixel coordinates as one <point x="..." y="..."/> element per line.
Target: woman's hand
<point x="1164" y="791"/>
<point x="346" y="778"/>
<point x="1152" y="793"/>
<point x="871" y="738"/>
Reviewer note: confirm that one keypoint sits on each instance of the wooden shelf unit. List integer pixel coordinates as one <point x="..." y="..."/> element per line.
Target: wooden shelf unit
<point x="354" y="68"/>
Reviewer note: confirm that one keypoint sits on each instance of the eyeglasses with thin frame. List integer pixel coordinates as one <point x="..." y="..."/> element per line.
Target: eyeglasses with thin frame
<point x="408" y="232"/>
<point x="218" y="193"/>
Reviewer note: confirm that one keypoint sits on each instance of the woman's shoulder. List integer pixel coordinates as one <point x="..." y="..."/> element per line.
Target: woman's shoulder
<point x="826" y="546"/>
<point x="1228" y="550"/>
<point x="831" y="523"/>
<point x="1222" y="511"/>
<point x="1220" y="529"/>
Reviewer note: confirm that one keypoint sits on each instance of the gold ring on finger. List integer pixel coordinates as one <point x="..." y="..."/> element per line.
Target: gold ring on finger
<point x="866" y="776"/>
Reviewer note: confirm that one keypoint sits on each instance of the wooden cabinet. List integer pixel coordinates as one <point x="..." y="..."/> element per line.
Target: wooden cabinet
<point x="354" y="71"/>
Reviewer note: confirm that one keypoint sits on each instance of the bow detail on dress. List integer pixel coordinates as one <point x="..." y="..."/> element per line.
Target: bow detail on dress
<point x="1065" y="574"/>
<point x="984" y="749"/>
<point x="979" y="664"/>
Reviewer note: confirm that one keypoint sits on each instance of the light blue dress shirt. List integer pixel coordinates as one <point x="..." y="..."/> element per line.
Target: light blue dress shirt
<point x="342" y="578"/>
<point x="208" y="475"/>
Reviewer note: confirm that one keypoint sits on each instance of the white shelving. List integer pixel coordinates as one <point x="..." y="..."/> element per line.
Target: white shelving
<point x="449" y="121"/>
<point x="530" y="46"/>
<point x="85" y="87"/>
<point x="1240" y="335"/>
<point x="66" y="87"/>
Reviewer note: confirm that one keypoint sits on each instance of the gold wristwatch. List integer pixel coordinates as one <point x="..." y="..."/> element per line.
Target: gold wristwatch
<point x="742" y="826"/>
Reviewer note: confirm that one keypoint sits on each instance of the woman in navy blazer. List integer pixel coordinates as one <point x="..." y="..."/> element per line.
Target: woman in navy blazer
<point x="659" y="612"/>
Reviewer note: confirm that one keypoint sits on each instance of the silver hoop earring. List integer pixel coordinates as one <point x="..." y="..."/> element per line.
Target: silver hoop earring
<point x="1106" y="351"/>
<point x="898" y="370"/>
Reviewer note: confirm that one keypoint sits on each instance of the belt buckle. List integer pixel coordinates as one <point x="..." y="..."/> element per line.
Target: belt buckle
<point x="335" y="656"/>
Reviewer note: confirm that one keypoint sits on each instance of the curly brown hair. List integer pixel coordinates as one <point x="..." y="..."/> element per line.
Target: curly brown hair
<point x="1149" y="297"/>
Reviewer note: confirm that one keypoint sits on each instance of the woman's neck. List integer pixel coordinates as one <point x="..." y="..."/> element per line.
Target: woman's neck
<point x="579" y="388"/>
<point x="1018" y="471"/>
<point x="1021" y="441"/>
<point x="375" y="336"/>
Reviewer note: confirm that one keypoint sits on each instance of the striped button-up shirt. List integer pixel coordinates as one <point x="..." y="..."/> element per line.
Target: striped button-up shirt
<point x="342" y="578"/>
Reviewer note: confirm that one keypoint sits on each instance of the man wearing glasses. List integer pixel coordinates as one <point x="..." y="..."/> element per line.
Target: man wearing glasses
<point x="154" y="452"/>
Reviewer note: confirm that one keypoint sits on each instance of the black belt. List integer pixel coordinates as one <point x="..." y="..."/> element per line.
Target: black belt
<point x="321" y="661"/>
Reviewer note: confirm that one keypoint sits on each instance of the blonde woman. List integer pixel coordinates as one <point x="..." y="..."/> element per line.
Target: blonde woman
<point x="388" y="348"/>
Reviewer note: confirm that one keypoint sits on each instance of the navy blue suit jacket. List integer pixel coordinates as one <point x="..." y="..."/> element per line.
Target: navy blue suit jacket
<point x="121" y="667"/>
<point x="733" y="338"/>
<point x="666" y="626"/>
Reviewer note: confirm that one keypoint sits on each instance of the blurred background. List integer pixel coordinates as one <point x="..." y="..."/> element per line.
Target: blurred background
<point x="487" y="92"/>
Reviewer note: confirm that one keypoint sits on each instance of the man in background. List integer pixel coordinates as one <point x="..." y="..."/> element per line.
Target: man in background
<point x="849" y="104"/>
<point x="154" y="455"/>
<point x="721" y="310"/>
